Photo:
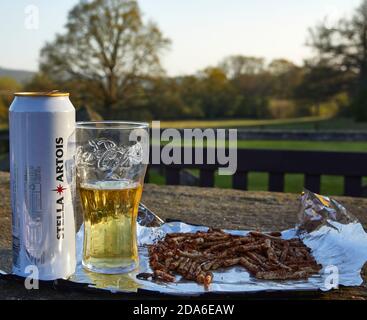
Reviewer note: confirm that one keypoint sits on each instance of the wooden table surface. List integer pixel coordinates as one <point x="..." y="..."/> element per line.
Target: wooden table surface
<point x="213" y="207"/>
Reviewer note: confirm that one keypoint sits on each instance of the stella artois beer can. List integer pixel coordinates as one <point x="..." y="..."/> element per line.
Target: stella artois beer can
<point x="42" y="144"/>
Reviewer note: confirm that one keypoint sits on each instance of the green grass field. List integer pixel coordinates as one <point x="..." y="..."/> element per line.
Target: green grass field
<point x="332" y="124"/>
<point x="243" y="123"/>
<point x="341" y="146"/>
<point x="305" y="123"/>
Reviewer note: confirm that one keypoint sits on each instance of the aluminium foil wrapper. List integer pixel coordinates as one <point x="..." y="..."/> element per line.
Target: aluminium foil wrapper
<point x="336" y="238"/>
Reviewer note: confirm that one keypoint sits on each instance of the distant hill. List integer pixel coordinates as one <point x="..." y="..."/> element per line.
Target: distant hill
<point x="21" y="76"/>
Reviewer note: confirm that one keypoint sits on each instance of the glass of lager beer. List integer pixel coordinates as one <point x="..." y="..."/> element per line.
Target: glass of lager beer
<point x="111" y="162"/>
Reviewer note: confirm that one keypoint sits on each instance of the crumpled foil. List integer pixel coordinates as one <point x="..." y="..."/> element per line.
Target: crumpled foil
<point x="338" y="242"/>
<point x="317" y="211"/>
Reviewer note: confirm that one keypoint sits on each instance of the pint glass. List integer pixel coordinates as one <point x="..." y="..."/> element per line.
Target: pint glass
<point x="111" y="162"/>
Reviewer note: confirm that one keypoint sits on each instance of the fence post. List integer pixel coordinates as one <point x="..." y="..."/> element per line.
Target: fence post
<point x="172" y="176"/>
<point x="206" y="178"/>
<point x="353" y="186"/>
<point x="313" y="182"/>
<point x="239" y="181"/>
<point x="276" y="182"/>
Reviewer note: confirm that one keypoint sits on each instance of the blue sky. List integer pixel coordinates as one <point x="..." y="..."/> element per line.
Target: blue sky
<point x="202" y="31"/>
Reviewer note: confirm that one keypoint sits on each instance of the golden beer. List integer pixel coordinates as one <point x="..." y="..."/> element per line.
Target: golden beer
<point x="110" y="210"/>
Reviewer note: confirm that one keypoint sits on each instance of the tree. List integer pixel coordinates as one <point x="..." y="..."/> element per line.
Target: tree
<point x="8" y="86"/>
<point x="286" y="77"/>
<point x="344" y="48"/>
<point x="106" y="46"/>
<point x="320" y="83"/>
<point x="219" y="98"/>
<point x="237" y="65"/>
<point x="164" y="99"/>
<point x="255" y="90"/>
<point x="40" y="82"/>
<point x="191" y="88"/>
<point x="278" y="67"/>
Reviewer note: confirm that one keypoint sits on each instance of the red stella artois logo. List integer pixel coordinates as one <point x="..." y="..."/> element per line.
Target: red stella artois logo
<point x="60" y="205"/>
<point x="59" y="189"/>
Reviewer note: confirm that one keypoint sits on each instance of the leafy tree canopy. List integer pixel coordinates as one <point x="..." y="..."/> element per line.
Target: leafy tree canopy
<point x="106" y="43"/>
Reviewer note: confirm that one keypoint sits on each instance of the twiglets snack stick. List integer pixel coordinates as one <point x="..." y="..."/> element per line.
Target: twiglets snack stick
<point x="263" y="255"/>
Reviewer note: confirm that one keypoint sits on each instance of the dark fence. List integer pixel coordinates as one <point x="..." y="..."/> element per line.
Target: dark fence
<point x="297" y="135"/>
<point x="277" y="163"/>
<point x="352" y="166"/>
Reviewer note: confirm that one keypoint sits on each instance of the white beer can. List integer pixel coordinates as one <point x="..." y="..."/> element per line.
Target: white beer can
<point x="42" y="184"/>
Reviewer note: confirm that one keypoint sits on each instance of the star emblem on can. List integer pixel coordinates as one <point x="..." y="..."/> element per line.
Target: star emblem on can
<point x="59" y="189"/>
